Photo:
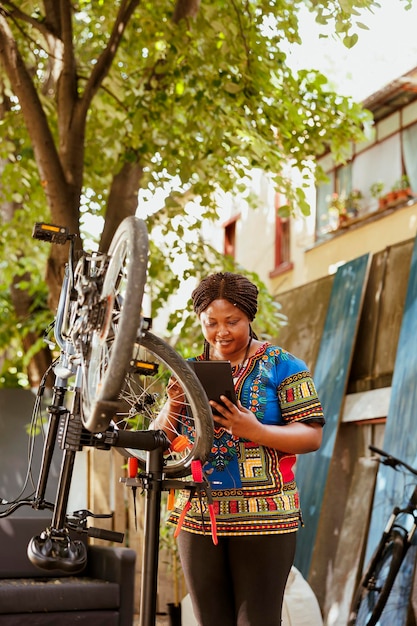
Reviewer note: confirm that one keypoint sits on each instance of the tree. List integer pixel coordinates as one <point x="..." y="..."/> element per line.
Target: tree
<point x="102" y="99"/>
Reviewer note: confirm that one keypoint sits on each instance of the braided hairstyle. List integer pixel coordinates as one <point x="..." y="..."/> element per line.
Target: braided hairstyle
<point x="235" y="288"/>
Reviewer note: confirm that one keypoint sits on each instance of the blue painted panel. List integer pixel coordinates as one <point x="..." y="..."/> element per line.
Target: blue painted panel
<point x="330" y="375"/>
<point x="400" y="439"/>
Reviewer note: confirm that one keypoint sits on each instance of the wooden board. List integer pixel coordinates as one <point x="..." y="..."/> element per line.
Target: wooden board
<point x="401" y="441"/>
<point x="330" y="374"/>
<point x="342" y="579"/>
<point x="306" y="308"/>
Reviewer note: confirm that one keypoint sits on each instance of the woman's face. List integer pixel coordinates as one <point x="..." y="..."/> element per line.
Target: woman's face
<point x="225" y="327"/>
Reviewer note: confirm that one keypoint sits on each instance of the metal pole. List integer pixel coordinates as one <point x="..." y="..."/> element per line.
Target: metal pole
<point x="149" y="584"/>
<point x="55" y="410"/>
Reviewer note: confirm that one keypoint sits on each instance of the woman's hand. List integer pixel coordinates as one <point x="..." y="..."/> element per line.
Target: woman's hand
<point x="167" y="418"/>
<point x="176" y="395"/>
<point x="293" y="438"/>
<point x="236" y="419"/>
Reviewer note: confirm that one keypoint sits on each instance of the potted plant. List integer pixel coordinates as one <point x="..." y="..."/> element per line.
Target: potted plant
<point x="402" y="187"/>
<point x="376" y="190"/>
<point x="337" y="207"/>
<point x="353" y="202"/>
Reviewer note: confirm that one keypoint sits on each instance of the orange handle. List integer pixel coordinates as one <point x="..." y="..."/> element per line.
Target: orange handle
<point x="180" y="443"/>
<point x="171" y="499"/>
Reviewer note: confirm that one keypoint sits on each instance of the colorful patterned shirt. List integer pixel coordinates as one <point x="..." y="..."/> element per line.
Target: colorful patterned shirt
<point x="253" y="486"/>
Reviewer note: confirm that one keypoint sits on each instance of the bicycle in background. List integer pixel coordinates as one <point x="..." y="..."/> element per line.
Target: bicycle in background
<point x="376" y="584"/>
<point x="111" y="376"/>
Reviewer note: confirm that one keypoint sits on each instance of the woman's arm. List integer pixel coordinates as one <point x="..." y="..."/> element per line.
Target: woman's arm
<point x="294" y="438"/>
<point x="167" y="419"/>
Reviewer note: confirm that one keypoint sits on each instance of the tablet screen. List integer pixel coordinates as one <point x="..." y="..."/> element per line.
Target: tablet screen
<point x="216" y="379"/>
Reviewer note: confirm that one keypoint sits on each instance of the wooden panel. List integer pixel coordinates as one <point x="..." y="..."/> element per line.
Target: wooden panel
<point x="400" y="440"/>
<point x="341" y="579"/>
<point x="380" y="323"/>
<point x="394" y="292"/>
<point x="367" y="405"/>
<point x="306" y="309"/>
<point x="330" y="374"/>
<point x="364" y="352"/>
<point x="349" y="447"/>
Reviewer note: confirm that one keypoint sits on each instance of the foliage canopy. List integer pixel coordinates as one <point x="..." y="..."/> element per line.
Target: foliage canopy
<point x="100" y="100"/>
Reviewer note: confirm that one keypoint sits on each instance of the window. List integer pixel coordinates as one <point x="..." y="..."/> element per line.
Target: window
<point x="382" y="161"/>
<point x="282" y="241"/>
<point x="409" y="137"/>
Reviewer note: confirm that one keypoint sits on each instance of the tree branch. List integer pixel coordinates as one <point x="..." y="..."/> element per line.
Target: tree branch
<point x="15" y="12"/>
<point x="35" y="119"/>
<point x="105" y="60"/>
<point x="184" y="9"/>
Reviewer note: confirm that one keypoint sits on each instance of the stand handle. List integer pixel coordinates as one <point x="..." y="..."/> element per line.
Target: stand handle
<point x="139" y="439"/>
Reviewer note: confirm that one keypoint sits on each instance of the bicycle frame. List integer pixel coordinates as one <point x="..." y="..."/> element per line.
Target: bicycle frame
<point x="404" y="519"/>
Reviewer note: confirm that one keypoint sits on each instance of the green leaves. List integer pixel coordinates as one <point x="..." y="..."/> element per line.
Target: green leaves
<point x="195" y="104"/>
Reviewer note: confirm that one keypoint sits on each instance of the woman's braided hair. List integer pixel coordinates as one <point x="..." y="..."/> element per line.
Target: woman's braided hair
<point x="235" y="288"/>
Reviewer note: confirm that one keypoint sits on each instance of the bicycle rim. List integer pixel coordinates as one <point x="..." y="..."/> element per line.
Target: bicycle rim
<point x="377" y="583"/>
<point x="144" y="394"/>
<point x="111" y="343"/>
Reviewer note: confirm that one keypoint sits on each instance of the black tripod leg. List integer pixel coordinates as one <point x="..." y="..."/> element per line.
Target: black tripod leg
<point x="64" y="485"/>
<point x="55" y="410"/>
<point x="151" y="538"/>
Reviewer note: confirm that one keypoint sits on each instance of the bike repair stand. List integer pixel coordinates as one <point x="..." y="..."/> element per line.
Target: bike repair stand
<point x="153" y="489"/>
<point x="153" y="483"/>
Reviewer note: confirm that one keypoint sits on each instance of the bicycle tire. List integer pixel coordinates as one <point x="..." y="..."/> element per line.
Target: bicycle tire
<point x="376" y="584"/>
<point x="111" y="343"/>
<point x="143" y="394"/>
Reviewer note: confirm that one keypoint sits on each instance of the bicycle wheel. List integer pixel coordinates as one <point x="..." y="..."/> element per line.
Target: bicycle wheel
<point x="112" y="338"/>
<point x="376" y="584"/>
<point x="144" y="394"/>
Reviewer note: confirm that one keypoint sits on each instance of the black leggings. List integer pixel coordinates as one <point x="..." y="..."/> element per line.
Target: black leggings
<point x="239" y="582"/>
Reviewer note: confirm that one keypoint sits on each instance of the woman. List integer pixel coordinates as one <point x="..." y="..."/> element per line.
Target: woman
<point x="241" y="580"/>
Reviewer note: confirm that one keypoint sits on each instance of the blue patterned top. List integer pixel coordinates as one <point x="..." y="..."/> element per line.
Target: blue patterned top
<point x="254" y="489"/>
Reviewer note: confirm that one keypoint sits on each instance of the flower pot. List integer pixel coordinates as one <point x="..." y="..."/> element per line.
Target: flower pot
<point x="382" y="203"/>
<point x="174" y="614"/>
<point x="404" y="194"/>
<point x="391" y="197"/>
<point x="343" y="219"/>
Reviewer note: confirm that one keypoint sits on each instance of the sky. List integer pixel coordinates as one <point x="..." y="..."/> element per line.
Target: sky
<point x="386" y="51"/>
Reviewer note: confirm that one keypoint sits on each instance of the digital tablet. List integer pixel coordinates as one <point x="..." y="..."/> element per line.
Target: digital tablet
<point x="216" y="379"/>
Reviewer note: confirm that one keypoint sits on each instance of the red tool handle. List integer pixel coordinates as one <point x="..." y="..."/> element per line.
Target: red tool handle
<point x="132" y="466"/>
<point x="181" y="519"/>
<point x="213" y="524"/>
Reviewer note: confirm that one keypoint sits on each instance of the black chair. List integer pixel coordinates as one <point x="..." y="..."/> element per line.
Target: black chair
<point x="103" y="593"/>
